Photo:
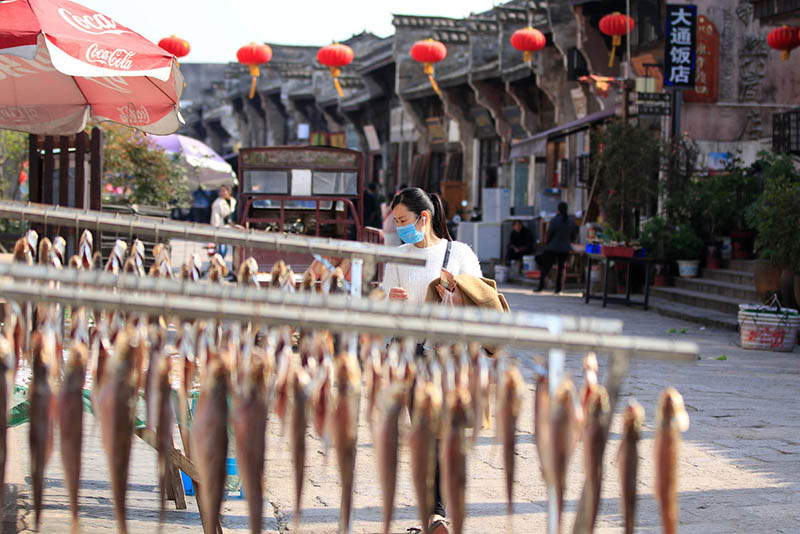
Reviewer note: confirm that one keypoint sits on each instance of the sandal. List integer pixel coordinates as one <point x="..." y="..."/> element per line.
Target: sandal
<point x="440" y="526"/>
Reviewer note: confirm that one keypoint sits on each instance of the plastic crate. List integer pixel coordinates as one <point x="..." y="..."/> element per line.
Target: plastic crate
<point x="592" y="248"/>
<point x="617" y="252"/>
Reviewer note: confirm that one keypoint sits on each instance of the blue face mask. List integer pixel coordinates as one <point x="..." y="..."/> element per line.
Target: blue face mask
<point x="409" y="233"/>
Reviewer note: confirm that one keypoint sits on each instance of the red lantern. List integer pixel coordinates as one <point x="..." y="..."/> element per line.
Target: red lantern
<point x="429" y="52"/>
<point x="335" y="56"/>
<point x="616" y="25"/>
<point x="175" y="45"/>
<point x="528" y="40"/>
<point x="253" y="55"/>
<point x="785" y="39"/>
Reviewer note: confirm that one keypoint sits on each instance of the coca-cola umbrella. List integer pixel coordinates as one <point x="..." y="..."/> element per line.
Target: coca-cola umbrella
<point x="204" y="166"/>
<point x="61" y="62"/>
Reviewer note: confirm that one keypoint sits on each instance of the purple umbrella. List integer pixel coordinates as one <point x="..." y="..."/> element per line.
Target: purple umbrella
<point x="204" y="165"/>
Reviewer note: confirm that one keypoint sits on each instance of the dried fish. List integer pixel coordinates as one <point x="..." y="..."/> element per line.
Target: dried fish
<point x="299" y="388"/>
<point x="249" y="421"/>
<point x="563" y="437"/>
<point x="70" y="415"/>
<point x="594" y="443"/>
<point x="345" y="430"/>
<point x="115" y="405"/>
<point x="41" y="415"/>
<point x="6" y="372"/>
<point x="671" y="420"/>
<point x="387" y="442"/>
<point x="509" y="400"/>
<point x="628" y="460"/>
<point x="422" y="445"/>
<point x="541" y="426"/>
<point x="453" y="455"/>
<point x="164" y="423"/>
<point x="210" y="442"/>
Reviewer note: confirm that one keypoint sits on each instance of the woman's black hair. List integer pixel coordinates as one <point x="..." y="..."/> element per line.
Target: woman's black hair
<point x="416" y="201"/>
<point x="562" y="210"/>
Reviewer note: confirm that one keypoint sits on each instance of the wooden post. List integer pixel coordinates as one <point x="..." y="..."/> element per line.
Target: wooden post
<point x="95" y="177"/>
<point x="81" y="144"/>
<point x="34" y="169"/>
<point x="47" y="171"/>
<point x="63" y="171"/>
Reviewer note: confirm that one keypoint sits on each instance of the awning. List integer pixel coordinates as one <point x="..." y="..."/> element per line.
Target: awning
<point x="537" y="145"/>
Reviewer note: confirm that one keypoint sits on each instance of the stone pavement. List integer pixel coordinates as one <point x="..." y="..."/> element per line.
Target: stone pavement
<point x="739" y="463"/>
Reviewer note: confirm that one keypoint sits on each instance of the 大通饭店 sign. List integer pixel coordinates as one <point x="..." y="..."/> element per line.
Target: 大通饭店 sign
<point x="679" y="50"/>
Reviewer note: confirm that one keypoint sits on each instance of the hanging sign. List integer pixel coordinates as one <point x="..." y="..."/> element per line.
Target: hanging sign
<point x="707" y="63"/>
<point x="679" y="50"/>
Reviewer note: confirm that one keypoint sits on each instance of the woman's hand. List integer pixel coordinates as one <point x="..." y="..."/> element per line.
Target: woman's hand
<point x="458" y="298"/>
<point x="398" y="293"/>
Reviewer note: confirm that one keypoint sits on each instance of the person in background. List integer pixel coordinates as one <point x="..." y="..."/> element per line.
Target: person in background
<point x="372" y="207"/>
<point x="521" y="242"/>
<point x="561" y="233"/>
<point x="222" y="213"/>
<point x="390" y="237"/>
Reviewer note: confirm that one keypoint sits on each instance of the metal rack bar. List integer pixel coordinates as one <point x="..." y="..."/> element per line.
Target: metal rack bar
<point x="349" y="320"/>
<point x="154" y="227"/>
<point x="230" y="292"/>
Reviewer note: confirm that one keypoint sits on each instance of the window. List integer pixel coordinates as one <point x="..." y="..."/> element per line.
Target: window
<point x="489" y="161"/>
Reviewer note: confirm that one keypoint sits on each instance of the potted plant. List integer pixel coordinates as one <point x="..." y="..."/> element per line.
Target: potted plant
<point x="687" y="247"/>
<point x="775" y="217"/>
<point x="656" y="238"/>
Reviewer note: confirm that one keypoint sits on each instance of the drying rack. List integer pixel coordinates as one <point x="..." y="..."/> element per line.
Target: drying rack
<point x="98" y="290"/>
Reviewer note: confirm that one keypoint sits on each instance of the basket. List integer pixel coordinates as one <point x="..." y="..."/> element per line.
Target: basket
<point x="768" y="328"/>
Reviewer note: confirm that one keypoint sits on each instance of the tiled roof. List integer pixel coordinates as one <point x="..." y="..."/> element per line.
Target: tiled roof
<point x="425" y="22"/>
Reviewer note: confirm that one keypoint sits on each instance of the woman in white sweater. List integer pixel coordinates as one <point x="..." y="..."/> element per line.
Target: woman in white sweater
<point x="421" y="224"/>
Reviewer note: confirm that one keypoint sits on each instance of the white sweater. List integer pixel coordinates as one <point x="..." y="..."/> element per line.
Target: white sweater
<point x="415" y="279"/>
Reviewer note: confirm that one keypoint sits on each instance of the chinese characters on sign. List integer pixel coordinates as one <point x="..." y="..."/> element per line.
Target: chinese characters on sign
<point x="679" y="51"/>
<point x="707" y="63"/>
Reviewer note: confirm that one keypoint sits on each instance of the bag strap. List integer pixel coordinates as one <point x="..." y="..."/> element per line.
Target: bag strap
<point x="447" y="254"/>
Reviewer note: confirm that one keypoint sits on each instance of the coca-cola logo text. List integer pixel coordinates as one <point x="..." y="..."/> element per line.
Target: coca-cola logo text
<point x="94" y="24"/>
<point x="133" y="115"/>
<point x="17" y="114"/>
<point x="119" y="58"/>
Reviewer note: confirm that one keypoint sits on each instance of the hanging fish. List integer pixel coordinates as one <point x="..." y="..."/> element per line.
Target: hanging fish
<point x="249" y="421"/>
<point x="137" y="254"/>
<point x="453" y="455"/>
<point x="210" y="441"/>
<point x="70" y="423"/>
<point x="59" y="250"/>
<point x="345" y="430"/>
<point x="218" y="268"/>
<point x="41" y="415"/>
<point x="85" y="250"/>
<point x="373" y="370"/>
<point x="541" y="426"/>
<point x="509" y="399"/>
<point x="628" y="460"/>
<point x="594" y="444"/>
<point x="299" y="390"/>
<point x="164" y="424"/>
<point x="563" y="431"/>
<point x="116" y="258"/>
<point x="479" y="381"/>
<point x="589" y="378"/>
<point x="6" y="373"/>
<point x="321" y="397"/>
<point x="422" y="445"/>
<point x="387" y="442"/>
<point x="115" y="405"/>
<point x="671" y="420"/>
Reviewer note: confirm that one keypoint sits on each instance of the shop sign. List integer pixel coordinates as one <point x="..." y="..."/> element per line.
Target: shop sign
<point x="681" y="43"/>
<point x="707" y="63"/>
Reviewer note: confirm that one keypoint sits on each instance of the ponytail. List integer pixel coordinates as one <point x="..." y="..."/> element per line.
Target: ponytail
<point x="438" y="223"/>
<point x="416" y="201"/>
<point x="562" y="210"/>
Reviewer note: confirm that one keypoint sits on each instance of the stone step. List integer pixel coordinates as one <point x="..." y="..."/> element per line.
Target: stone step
<point x="742" y="265"/>
<point x="745" y="293"/>
<point x="729" y="305"/>
<point x="744" y="278"/>
<point x="693" y="313"/>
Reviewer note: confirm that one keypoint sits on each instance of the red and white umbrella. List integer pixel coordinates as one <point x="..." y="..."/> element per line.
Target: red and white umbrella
<point x="61" y="62"/>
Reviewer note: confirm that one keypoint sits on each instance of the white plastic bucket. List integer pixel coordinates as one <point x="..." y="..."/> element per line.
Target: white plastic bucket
<point x="688" y="269"/>
<point x="500" y="273"/>
<point x="764" y="328"/>
<point x="528" y="263"/>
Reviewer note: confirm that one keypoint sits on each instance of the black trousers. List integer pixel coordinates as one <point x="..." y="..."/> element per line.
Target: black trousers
<point x="512" y="255"/>
<point x="546" y="260"/>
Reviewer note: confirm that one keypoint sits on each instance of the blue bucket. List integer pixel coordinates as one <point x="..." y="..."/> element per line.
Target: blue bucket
<point x="232" y="470"/>
<point x="188" y="488"/>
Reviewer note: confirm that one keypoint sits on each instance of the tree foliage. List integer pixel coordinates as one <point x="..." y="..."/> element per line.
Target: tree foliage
<point x="626" y="160"/>
<point x="155" y="177"/>
<point x="13" y="153"/>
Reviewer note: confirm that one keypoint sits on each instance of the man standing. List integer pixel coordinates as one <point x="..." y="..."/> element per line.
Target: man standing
<point x="222" y="211"/>
<point x="561" y="233"/>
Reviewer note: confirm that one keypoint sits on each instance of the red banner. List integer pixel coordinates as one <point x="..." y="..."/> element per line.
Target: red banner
<point x="706" y="83"/>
